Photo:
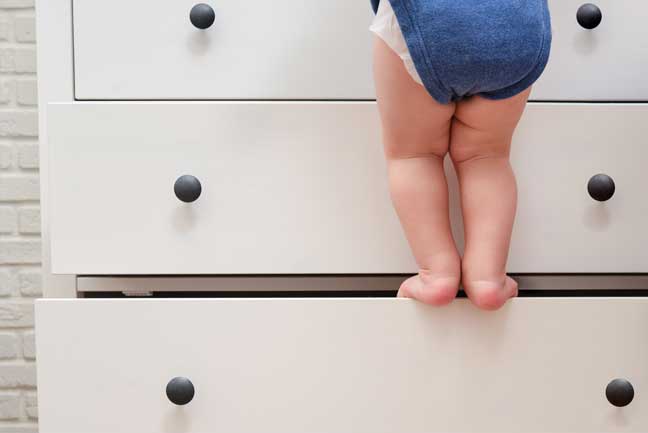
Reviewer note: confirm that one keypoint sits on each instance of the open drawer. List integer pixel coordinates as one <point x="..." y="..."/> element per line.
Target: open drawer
<point x="333" y="365"/>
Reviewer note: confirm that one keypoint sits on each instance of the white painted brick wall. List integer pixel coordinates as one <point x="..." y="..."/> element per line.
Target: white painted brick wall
<point x="20" y="254"/>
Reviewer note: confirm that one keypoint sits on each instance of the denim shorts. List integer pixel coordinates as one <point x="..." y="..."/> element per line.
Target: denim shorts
<point x="492" y="48"/>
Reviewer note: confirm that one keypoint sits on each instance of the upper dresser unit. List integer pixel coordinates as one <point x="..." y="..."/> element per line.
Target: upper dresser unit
<point x="296" y="50"/>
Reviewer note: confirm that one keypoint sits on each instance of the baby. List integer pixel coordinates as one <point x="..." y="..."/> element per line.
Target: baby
<point x="453" y="77"/>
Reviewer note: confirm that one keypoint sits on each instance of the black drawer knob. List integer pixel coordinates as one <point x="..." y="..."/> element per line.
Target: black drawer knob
<point x="202" y="16"/>
<point x="187" y="188"/>
<point x="619" y="392"/>
<point x="601" y="187"/>
<point x="180" y="391"/>
<point x="589" y="16"/>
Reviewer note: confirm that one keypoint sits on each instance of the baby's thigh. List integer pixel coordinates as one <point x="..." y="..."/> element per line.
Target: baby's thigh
<point x="413" y="123"/>
<point x="483" y="127"/>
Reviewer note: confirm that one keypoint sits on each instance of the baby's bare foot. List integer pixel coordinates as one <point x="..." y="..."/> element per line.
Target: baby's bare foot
<point x="430" y="288"/>
<point x="491" y="295"/>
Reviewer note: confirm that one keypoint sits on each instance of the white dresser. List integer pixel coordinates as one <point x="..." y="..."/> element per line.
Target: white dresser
<point x="221" y="253"/>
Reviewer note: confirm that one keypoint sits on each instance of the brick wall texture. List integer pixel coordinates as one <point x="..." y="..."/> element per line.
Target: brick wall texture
<point x="20" y="246"/>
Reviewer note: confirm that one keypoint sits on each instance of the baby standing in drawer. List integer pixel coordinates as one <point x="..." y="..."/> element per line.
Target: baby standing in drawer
<point x="453" y="76"/>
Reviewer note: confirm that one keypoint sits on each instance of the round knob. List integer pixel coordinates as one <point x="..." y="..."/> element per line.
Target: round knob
<point x="187" y="188"/>
<point x="619" y="392"/>
<point x="601" y="187"/>
<point x="202" y="16"/>
<point x="180" y="391"/>
<point x="589" y="16"/>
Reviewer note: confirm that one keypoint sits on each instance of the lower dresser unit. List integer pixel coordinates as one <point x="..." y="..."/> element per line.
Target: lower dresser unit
<point x="341" y="365"/>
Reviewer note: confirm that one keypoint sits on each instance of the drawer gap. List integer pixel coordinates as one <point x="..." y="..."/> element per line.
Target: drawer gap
<point x="530" y="293"/>
<point x="339" y="285"/>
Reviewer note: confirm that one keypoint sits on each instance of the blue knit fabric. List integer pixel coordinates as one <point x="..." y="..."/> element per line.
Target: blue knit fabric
<point x="494" y="48"/>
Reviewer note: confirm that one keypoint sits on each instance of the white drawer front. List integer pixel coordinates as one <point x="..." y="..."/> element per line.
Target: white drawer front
<point x="331" y="365"/>
<point x="286" y="188"/>
<point x="301" y="188"/>
<point x="609" y="62"/>
<point x="284" y="49"/>
<point x="291" y="49"/>
<point x="557" y="149"/>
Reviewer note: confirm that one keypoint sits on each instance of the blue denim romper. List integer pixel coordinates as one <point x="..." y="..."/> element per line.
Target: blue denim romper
<point x="494" y="48"/>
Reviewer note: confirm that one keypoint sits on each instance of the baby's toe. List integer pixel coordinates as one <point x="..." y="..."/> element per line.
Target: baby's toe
<point x="431" y="290"/>
<point x="491" y="295"/>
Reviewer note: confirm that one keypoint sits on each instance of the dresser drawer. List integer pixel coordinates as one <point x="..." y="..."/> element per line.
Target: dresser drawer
<point x="255" y="49"/>
<point x="299" y="188"/>
<point x="328" y="365"/>
<point x="284" y="188"/>
<point x="608" y="62"/>
<point x="294" y="49"/>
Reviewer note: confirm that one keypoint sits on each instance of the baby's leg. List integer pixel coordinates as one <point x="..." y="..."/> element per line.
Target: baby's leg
<point x="479" y="147"/>
<point x="416" y="132"/>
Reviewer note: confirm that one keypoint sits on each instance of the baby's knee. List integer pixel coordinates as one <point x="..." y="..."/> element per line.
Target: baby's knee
<point x="468" y="143"/>
<point x="409" y="150"/>
<point x="463" y="153"/>
<point x="411" y="142"/>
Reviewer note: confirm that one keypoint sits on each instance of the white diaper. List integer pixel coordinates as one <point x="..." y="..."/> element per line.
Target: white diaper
<point x="385" y="25"/>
